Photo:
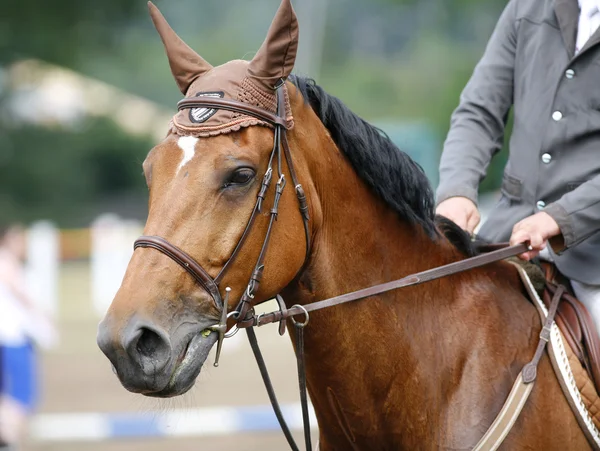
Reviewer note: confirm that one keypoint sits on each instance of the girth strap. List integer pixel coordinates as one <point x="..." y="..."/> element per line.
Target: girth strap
<point x="522" y="387"/>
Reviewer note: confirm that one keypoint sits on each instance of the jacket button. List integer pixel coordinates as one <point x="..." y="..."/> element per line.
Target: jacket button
<point x="540" y="204"/>
<point x="546" y="158"/>
<point x="569" y="73"/>
<point x="557" y="116"/>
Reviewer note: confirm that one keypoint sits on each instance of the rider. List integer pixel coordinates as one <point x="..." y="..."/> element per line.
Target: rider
<point x="543" y="60"/>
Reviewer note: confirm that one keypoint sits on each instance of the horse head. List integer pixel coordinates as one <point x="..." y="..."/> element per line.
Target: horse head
<point x="211" y="205"/>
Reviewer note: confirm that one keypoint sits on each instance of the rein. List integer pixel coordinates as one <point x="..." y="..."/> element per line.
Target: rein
<point x="243" y="315"/>
<point x="413" y="279"/>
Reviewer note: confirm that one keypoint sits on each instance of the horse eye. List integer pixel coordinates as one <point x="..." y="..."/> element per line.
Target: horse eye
<point x="240" y="177"/>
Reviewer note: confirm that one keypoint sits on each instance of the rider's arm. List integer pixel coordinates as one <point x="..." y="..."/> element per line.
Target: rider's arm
<point x="577" y="213"/>
<point x="477" y="125"/>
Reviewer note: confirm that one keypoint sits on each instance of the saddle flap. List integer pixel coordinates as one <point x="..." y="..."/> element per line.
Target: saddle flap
<point x="575" y="323"/>
<point x="574" y="378"/>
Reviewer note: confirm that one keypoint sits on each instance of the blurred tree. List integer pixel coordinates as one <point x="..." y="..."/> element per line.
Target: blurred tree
<point x="398" y="60"/>
<point x="69" y="176"/>
<point x="61" y="31"/>
<point x="66" y="174"/>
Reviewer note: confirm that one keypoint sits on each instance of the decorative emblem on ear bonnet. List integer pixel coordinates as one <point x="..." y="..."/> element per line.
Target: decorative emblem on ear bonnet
<point x="251" y="82"/>
<point x="199" y="115"/>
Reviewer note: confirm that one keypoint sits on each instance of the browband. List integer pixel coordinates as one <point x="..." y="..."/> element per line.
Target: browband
<point x="233" y="105"/>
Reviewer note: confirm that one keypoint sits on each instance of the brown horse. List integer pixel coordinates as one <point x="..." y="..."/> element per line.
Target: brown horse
<point x="422" y="368"/>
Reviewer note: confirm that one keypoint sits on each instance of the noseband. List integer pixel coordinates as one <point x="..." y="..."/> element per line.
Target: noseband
<point x="243" y="310"/>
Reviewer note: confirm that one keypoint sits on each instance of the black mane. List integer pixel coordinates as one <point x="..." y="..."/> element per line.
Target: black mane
<point x="390" y="173"/>
<point x="457" y="236"/>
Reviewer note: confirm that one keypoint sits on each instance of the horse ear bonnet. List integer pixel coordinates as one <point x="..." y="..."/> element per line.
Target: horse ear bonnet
<point x="275" y="59"/>
<point x="186" y="65"/>
<point x="253" y="82"/>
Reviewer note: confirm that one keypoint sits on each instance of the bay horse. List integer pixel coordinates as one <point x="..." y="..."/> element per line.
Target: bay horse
<point x="421" y="368"/>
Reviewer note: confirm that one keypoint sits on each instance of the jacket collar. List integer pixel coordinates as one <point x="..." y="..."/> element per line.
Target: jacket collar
<point x="567" y="14"/>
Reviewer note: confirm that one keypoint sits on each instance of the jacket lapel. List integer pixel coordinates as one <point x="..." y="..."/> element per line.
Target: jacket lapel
<point x="567" y="14"/>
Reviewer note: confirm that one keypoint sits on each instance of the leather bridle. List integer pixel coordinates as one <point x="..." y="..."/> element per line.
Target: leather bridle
<point x="243" y="315"/>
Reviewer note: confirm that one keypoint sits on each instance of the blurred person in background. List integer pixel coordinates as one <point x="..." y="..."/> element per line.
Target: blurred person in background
<point x="21" y="325"/>
<point x="542" y="60"/>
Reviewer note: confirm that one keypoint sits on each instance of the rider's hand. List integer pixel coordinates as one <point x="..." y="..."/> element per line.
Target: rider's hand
<point x="460" y="210"/>
<point x="536" y="230"/>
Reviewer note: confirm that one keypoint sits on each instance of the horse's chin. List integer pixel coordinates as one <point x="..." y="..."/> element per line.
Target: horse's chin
<point x="187" y="368"/>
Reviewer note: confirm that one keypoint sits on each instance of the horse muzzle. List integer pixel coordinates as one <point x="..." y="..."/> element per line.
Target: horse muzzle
<point x="153" y="361"/>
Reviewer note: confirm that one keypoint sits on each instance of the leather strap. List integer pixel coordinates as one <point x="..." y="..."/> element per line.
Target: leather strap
<point x="302" y="383"/>
<point x="530" y="370"/>
<point x="249" y="225"/>
<point x="507" y="417"/>
<point x="299" y="194"/>
<point x="185" y="261"/>
<point x="522" y="387"/>
<point x="262" y="366"/>
<point x="413" y="279"/>
<point x="234" y="105"/>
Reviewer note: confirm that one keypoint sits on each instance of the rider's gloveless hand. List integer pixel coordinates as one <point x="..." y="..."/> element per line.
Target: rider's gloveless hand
<point x="460" y="210"/>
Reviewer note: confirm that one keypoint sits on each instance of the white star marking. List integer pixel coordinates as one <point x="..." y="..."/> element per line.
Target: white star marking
<point x="188" y="145"/>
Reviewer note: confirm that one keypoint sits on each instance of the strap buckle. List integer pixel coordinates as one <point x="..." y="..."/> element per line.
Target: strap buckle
<point x="279" y="84"/>
<point x="221" y="328"/>
<point x="545" y="334"/>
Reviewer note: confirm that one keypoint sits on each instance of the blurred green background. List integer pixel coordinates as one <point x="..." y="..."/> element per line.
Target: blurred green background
<point x="72" y="71"/>
<point x="86" y="91"/>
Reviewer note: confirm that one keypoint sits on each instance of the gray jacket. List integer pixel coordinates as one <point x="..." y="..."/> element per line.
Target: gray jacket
<point x="554" y="161"/>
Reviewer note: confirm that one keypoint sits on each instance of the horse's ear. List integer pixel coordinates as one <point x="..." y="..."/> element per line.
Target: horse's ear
<point x="186" y="65"/>
<point x="275" y="58"/>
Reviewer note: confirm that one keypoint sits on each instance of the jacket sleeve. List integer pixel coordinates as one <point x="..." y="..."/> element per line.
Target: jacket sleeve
<point x="577" y="213"/>
<point x="477" y="125"/>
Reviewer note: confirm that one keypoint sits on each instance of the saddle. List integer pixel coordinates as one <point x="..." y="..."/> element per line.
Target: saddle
<point x="572" y="318"/>
<point x="575" y="323"/>
<point x="574" y="345"/>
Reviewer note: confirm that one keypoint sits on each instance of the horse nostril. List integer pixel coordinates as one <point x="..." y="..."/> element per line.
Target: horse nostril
<point x="149" y="347"/>
<point x="148" y="343"/>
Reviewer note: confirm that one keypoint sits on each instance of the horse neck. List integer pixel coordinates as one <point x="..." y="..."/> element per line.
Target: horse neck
<point x="388" y="343"/>
<point x="358" y="240"/>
